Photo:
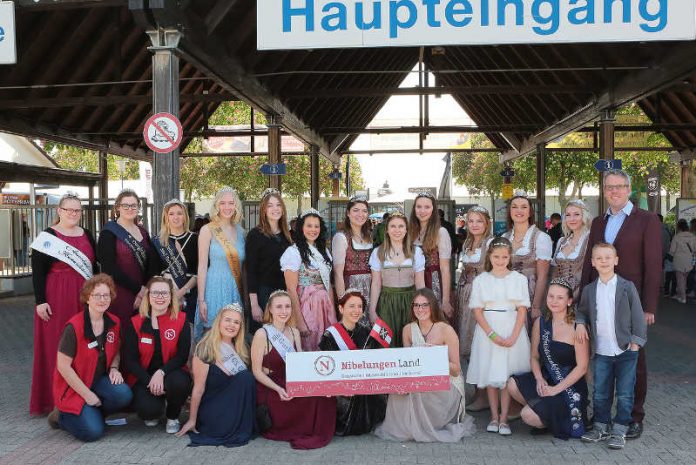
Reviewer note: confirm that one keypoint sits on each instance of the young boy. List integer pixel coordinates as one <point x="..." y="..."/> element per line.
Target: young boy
<point x="611" y="307"/>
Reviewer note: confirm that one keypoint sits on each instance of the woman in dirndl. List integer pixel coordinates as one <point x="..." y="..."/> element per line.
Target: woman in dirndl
<point x="570" y="252"/>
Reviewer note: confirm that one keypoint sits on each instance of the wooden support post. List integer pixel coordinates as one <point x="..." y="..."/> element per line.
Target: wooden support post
<point x="103" y="189"/>
<point x="688" y="179"/>
<point x="541" y="185"/>
<point x="606" y="150"/>
<point x="314" y="174"/>
<point x="165" y="98"/>
<point x="274" y="147"/>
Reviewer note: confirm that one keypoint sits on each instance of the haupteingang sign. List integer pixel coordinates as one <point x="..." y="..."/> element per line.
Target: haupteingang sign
<point x="308" y="24"/>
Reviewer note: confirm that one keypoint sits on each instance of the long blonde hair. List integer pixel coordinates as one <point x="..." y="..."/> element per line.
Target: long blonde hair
<point x="173" y="310"/>
<point x="268" y="316"/>
<point x="586" y="216"/>
<point x="208" y="349"/>
<point x="409" y="250"/>
<point x="164" y="223"/>
<point x="238" y="215"/>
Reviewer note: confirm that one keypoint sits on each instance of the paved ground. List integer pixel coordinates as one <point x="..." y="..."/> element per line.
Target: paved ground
<point x="669" y="436"/>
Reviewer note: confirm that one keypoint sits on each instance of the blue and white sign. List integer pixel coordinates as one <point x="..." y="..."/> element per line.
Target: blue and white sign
<point x="270" y="169"/>
<point x="606" y="165"/>
<point x="302" y="24"/>
<point x="8" y="47"/>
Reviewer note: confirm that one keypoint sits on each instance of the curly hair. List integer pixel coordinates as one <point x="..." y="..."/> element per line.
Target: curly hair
<point x="94" y="281"/>
<point x="301" y="240"/>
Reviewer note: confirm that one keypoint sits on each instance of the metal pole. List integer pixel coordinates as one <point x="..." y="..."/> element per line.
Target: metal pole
<point x="541" y="185"/>
<point x="165" y="98"/>
<point x="606" y="149"/>
<point x="314" y="174"/>
<point x="103" y="190"/>
<point x="274" y="154"/>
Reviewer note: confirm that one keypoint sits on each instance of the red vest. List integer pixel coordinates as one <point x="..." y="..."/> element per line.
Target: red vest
<point x="85" y="361"/>
<point x="169" y="331"/>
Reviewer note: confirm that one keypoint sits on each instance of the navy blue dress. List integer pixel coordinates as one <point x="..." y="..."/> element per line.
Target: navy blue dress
<point x="226" y="416"/>
<point x="553" y="411"/>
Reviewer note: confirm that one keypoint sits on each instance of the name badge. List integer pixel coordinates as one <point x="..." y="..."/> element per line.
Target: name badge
<point x="146" y="340"/>
<point x="92" y="345"/>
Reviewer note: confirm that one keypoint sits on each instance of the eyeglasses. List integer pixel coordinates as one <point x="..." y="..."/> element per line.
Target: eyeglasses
<point x="159" y="293"/>
<point x="129" y="206"/>
<point x="72" y="211"/>
<point x="423" y="306"/>
<point x="616" y="187"/>
<point x="101" y="296"/>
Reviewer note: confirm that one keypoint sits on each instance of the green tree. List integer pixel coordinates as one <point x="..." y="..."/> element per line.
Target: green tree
<point x="74" y="158"/>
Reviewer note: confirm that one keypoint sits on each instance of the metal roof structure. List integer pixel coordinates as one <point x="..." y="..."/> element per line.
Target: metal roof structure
<point x="84" y="77"/>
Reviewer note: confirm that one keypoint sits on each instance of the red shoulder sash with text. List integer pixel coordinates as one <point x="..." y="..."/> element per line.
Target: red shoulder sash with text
<point x="84" y="363"/>
<point x="169" y="331"/>
<point x="341" y="336"/>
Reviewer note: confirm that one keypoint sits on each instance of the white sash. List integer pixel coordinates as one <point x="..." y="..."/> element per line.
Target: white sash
<point x="230" y="360"/>
<point x="278" y="340"/>
<point x="57" y="248"/>
<point x="337" y="337"/>
<point x="324" y="269"/>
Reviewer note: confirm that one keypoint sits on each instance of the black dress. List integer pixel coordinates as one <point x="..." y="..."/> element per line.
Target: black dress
<point x="356" y="414"/>
<point x="188" y="242"/>
<point x="553" y="411"/>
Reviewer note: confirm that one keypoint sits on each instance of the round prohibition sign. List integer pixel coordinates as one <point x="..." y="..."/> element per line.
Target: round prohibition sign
<point x="163" y="132"/>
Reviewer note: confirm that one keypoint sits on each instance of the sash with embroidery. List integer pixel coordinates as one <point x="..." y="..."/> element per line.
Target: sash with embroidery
<point x="341" y="336"/>
<point x="57" y="248"/>
<point x="136" y="247"/>
<point x="230" y="252"/>
<point x="176" y="264"/>
<point x="572" y="397"/>
<point x="278" y="340"/>
<point x="317" y="261"/>
<point x="231" y="361"/>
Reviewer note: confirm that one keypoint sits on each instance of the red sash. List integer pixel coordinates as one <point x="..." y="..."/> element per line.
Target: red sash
<point x="340" y="334"/>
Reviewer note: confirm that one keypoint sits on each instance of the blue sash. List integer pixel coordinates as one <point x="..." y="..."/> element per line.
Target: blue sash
<point x="176" y="266"/>
<point x="571" y="396"/>
<point x="136" y="247"/>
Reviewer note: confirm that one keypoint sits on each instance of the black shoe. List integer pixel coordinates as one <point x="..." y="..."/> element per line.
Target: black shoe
<point x="634" y="430"/>
<point x="538" y="431"/>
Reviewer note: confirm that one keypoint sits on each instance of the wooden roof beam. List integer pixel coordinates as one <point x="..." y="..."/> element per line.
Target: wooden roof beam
<point x="107" y="100"/>
<point x="17" y="172"/>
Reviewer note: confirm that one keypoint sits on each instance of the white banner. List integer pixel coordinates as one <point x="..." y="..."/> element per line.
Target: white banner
<point x="377" y="371"/>
<point x="8" y="48"/>
<point x="300" y="24"/>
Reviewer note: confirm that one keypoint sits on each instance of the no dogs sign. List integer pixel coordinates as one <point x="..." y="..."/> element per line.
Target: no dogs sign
<point x="162" y="132"/>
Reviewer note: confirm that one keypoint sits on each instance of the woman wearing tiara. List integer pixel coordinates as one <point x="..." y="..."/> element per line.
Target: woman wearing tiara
<point x="532" y="249"/>
<point x="570" y="252"/>
<point x="425" y="231"/>
<point x="177" y="248"/>
<point x="222" y="382"/>
<point x="351" y="249"/>
<point x="307" y="269"/>
<point x="265" y="245"/>
<point x="305" y="422"/>
<point x="220" y="259"/>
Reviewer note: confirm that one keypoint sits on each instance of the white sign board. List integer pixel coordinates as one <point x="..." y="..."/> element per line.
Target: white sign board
<point x="686" y="209"/>
<point x="309" y="24"/>
<point x="8" y="47"/>
<point x="377" y="371"/>
<point x="163" y="132"/>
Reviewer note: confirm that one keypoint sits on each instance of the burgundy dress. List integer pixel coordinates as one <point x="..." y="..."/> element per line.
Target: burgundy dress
<point x="305" y="422"/>
<point x="62" y="290"/>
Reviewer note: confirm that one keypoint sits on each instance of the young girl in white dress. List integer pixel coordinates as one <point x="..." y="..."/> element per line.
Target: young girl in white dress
<point x="500" y="348"/>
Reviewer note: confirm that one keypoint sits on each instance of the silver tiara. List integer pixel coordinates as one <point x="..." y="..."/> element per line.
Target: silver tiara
<point x="358" y="198"/>
<point x="521" y="193"/>
<point x="128" y="191"/>
<point x="577" y="203"/>
<point x="278" y="292"/>
<point x="427" y="194"/>
<point x="227" y="189"/>
<point x="561" y="282"/>
<point x="351" y="290"/>
<point x="235" y="307"/>
<point x="310" y="211"/>
<point x="500" y="242"/>
<point x="174" y="202"/>
<point x="270" y="191"/>
<point x="478" y="209"/>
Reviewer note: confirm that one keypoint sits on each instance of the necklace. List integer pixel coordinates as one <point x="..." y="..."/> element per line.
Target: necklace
<point x="425" y="336"/>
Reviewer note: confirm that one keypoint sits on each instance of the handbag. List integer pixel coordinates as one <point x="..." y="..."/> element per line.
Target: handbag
<point x="263" y="413"/>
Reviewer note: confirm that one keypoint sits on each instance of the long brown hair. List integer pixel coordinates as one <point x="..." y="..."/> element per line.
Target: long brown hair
<point x="509" y="210"/>
<point x="469" y="241"/>
<point x="498" y="243"/>
<point x="409" y="250"/>
<point x="365" y="228"/>
<point x="436" y="314"/>
<point x="265" y="226"/>
<point x="432" y="229"/>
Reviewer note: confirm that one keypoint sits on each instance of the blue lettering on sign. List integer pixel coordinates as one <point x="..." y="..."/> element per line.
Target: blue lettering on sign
<point x="2" y="34"/>
<point x="543" y="17"/>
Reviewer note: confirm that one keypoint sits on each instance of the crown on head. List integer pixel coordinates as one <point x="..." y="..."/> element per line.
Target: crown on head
<point x="227" y="189"/>
<point x="500" y="242"/>
<point x="310" y="211"/>
<point x="427" y="194"/>
<point x="278" y="292"/>
<point x="268" y="192"/>
<point x="478" y="209"/>
<point x="358" y="198"/>
<point x="578" y="203"/>
<point x="235" y="307"/>
<point x="561" y="282"/>
<point x="174" y="202"/>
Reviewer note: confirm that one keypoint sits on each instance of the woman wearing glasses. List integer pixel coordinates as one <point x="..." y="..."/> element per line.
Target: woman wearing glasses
<point x="125" y="253"/>
<point x="62" y="259"/>
<point x="87" y="384"/>
<point x="156" y="345"/>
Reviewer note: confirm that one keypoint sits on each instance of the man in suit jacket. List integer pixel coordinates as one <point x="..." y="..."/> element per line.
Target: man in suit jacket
<point x="636" y="234"/>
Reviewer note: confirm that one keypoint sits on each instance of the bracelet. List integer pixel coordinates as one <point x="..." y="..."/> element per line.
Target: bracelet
<point x="113" y="368"/>
<point x="492" y="335"/>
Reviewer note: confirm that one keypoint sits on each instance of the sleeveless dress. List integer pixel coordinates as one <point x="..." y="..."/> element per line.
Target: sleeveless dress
<point x="436" y="416"/>
<point x="553" y="411"/>
<point x="304" y="422"/>
<point x="471" y="266"/>
<point x="220" y="285"/>
<point x="63" y="286"/>
<point x="570" y="267"/>
<point x="235" y="396"/>
<point x="356" y="264"/>
<point x="433" y="274"/>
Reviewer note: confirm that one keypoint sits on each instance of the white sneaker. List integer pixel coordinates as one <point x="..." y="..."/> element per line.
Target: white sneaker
<point x="173" y="426"/>
<point x="151" y="423"/>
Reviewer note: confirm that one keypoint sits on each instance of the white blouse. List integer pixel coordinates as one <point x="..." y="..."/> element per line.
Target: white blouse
<point x="576" y="251"/>
<point x="418" y="261"/>
<point x="475" y="257"/>
<point x="544" y="244"/>
<point x="292" y="261"/>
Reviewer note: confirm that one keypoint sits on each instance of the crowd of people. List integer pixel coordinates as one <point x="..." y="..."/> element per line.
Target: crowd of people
<point x="169" y="318"/>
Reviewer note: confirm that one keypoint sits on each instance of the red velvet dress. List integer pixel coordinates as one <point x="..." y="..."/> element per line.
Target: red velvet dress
<point x="305" y="422"/>
<point x="122" y="305"/>
<point x="63" y="286"/>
